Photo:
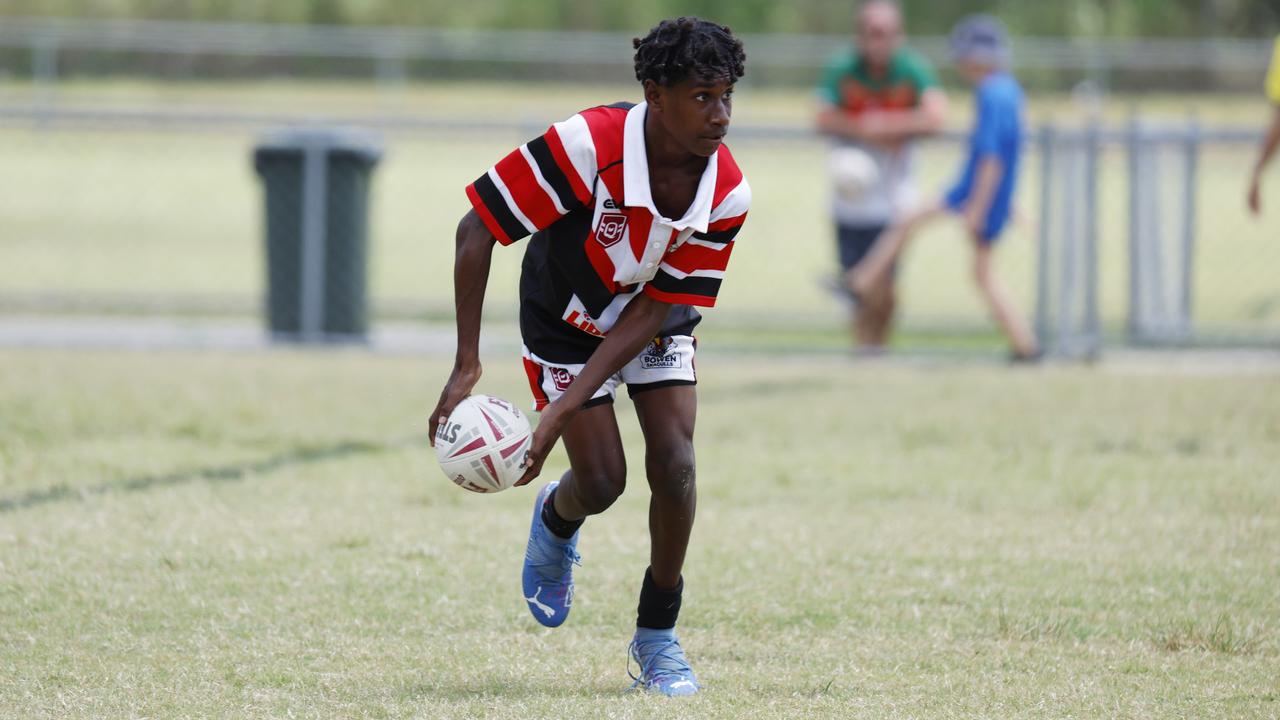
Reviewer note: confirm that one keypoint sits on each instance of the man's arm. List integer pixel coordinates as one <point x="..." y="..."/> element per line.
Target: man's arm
<point x="472" y="259"/>
<point x="887" y="127"/>
<point x="639" y="322"/>
<point x="1269" y="146"/>
<point x="985" y="182"/>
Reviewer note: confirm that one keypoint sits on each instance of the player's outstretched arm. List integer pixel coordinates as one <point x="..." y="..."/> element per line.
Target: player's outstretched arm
<point x="471" y="263"/>
<point x="639" y="322"/>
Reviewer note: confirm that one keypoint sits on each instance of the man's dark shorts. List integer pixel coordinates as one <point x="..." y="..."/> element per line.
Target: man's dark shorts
<point x="854" y="242"/>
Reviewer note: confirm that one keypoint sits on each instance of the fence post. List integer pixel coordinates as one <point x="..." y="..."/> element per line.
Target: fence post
<point x="1135" y="280"/>
<point x="1092" y="332"/>
<point x="1046" y="211"/>
<point x="1191" y="149"/>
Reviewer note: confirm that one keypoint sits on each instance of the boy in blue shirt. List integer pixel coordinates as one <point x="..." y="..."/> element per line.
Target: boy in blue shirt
<point x="983" y="195"/>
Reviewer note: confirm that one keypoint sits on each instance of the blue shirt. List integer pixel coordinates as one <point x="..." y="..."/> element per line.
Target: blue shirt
<point x="997" y="133"/>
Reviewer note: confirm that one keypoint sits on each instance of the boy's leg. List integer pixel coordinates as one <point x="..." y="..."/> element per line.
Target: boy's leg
<point x="873" y="313"/>
<point x="597" y="472"/>
<point x="667" y="418"/>
<point x="997" y="297"/>
<point x="597" y="476"/>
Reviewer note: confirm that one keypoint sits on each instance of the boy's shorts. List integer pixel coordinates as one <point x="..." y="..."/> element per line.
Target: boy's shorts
<point x="664" y="362"/>
<point x="853" y="242"/>
<point x="997" y="217"/>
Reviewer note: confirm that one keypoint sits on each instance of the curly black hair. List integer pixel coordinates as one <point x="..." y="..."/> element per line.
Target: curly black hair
<point x="676" y="50"/>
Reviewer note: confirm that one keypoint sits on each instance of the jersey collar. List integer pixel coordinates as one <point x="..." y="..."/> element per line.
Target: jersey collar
<point x="635" y="177"/>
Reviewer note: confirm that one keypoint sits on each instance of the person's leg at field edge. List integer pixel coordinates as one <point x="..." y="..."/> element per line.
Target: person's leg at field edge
<point x="667" y="416"/>
<point x="997" y="298"/>
<point x="873" y="313"/>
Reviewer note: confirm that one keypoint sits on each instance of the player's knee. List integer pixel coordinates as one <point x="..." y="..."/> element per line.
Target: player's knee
<point x="598" y="489"/>
<point x="673" y="473"/>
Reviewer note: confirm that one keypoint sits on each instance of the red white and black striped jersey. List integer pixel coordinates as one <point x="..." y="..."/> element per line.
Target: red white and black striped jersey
<point x="582" y="189"/>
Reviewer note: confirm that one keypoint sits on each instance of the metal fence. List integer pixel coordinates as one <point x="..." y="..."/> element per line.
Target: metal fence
<point x="50" y="49"/>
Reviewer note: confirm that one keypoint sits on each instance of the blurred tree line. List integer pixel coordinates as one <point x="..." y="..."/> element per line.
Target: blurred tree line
<point x="1119" y="18"/>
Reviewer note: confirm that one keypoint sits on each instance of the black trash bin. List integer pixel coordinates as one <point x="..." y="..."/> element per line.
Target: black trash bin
<point x="316" y="184"/>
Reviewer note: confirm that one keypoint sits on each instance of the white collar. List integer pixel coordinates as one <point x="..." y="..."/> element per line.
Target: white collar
<point x="635" y="177"/>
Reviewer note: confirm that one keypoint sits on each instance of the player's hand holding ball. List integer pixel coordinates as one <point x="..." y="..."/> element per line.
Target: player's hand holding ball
<point x="482" y="444"/>
<point x="550" y="427"/>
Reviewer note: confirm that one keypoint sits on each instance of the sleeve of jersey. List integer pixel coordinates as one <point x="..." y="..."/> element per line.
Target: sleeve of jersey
<point x="691" y="275"/>
<point x="986" y="131"/>
<point x="538" y="183"/>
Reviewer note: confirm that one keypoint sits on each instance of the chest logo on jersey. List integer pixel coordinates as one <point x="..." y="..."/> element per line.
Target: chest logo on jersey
<point x="611" y="228"/>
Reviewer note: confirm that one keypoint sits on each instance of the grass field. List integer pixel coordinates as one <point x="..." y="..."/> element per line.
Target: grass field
<point x="266" y="535"/>
<point x="175" y="215"/>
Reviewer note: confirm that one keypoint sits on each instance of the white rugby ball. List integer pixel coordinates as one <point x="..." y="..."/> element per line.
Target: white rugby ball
<point x="482" y="444"/>
<point x="853" y="172"/>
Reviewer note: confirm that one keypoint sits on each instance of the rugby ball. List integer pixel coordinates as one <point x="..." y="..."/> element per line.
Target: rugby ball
<point x="483" y="443"/>
<point x="853" y="172"/>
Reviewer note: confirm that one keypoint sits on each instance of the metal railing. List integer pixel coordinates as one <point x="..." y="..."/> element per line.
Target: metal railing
<point x="393" y="51"/>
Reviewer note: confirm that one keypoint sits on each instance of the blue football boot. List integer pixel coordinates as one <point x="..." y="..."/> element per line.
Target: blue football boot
<point x="548" y="568"/>
<point x="663" y="666"/>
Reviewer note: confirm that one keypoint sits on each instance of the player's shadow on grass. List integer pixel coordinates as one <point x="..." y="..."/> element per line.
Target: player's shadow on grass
<point x="215" y="474"/>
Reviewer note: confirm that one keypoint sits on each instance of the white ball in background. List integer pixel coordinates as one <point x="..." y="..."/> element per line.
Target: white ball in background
<point x="854" y="172"/>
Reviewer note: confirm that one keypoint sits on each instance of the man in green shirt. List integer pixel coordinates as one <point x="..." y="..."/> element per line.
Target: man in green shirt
<point x="877" y="97"/>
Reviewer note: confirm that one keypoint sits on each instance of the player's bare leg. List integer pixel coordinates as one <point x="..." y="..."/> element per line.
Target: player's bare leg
<point x="667" y="417"/>
<point x="874" y="316"/>
<point x="596" y="478"/>
<point x="997" y="298"/>
<point x="598" y="466"/>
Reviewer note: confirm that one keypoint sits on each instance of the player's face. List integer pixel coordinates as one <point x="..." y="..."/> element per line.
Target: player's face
<point x="696" y="113"/>
<point x="879" y="32"/>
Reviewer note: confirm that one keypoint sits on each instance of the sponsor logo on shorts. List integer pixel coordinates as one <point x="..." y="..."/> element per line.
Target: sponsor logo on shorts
<point x="611" y="228"/>
<point x="561" y="378"/>
<point x="661" y="354"/>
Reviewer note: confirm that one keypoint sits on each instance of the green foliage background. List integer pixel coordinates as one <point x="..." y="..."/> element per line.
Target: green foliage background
<point x="1246" y="18"/>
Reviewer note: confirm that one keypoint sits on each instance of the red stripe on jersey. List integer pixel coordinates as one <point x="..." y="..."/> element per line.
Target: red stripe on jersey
<point x="534" y="371"/>
<point x="524" y="188"/>
<point x="486" y="216"/>
<point x="612" y="179"/>
<point x="679" y="298"/>
<point x="689" y="258"/>
<point x="606" y="126"/>
<point x="727" y="223"/>
<point x="639" y="223"/>
<point x="601" y="261"/>
<point x="728" y="176"/>
<point x="580" y="190"/>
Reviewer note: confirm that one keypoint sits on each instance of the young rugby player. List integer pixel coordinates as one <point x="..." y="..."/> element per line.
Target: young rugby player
<point x="633" y="211"/>
<point x="983" y="195"/>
